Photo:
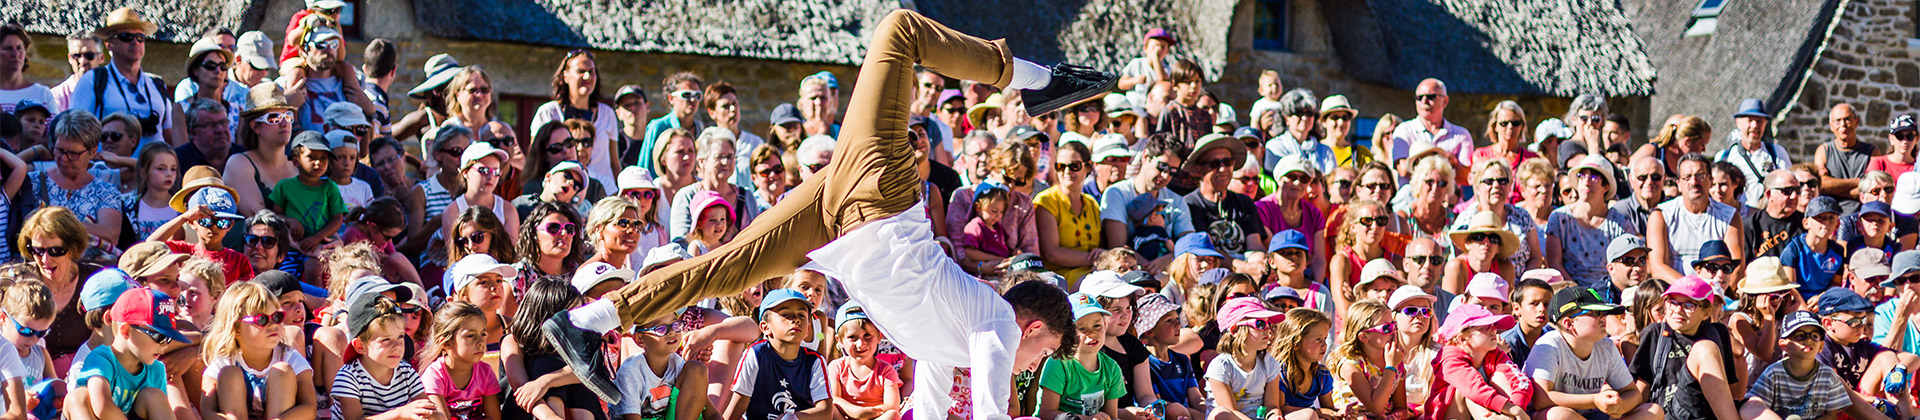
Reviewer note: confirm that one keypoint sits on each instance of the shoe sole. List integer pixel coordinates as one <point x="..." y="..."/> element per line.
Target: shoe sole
<point x="1081" y="95"/>
<point x="550" y="330"/>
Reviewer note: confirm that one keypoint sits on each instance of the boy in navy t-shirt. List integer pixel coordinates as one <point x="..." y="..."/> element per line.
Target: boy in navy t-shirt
<point x="778" y="377"/>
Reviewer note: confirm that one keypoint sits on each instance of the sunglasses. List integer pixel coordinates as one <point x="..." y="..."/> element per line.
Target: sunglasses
<point x="1377" y="186"/>
<point x="265" y="319"/>
<point x="131" y="37"/>
<point x="1593" y="119"/>
<point x="1426" y="98"/>
<point x="657" y="330"/>
<point x="1070" y="167"/>
<point x="1806" y="336"/>
<point x="626" y="223"/>
<point x="557" y="229"/>
<point x="1717" y="268"/>
<point x="1906" y="136"/>
<point x="23" y="330"/>
<point x="1509" y="124"/>
<point x="263" y="241"/>
<point x="1489" y="238"/>
<point x="112" y="136"/>
<point x="409" y="308"/>
<point x="85" y="56"/>
<point x="1386" y="328"/>
<point x="487" y="171"/>
<point x="685" y="94"/>
<point x="278" y="118"/>
<point x="156" y="336"/>
<point x="1649" y="177"/>
<point x="1417" y="311"/>
<point x="473" y="239"/>
<point x="1258" y="324"/>
<point x="771" y="170"/>
<point x="641" y="194"/>
<point x="1218" y="164"/>
<point x="1338" y="117"/>
<point x="1904" y="280"/>
<point x="1502" y="182"/>
<point x="1789" y="191"/>
<point x="1427" y="259"/>
<point x="814" y="168"/>
<point x="1018" y="182"/>
<point x="1372" y="221"/>
<point x="1298" y="178"/>
<point x="215" y="222"/>
<point x="52" y="251"/>
<point x="213" y="66"/>
<point x="325" y="45"/>
<point x="955" y="110"/>
<point x="1631" y="261"/>
<point x="1855" y="322"/>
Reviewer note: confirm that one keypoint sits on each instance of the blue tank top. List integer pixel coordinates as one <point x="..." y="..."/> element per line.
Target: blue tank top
<point x="1172" y="377"/>
<point x="781" y="386"/>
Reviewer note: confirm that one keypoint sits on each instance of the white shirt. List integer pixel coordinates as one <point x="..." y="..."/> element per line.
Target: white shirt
<point x="636" y="378"/>
<point x="37" y="92"/>
<point x="1452" y="138"/>
<point x="1552" y="361"/>
<point x="356" y="193"/>
<point x="140" y="98"/>
<point x="1249" y="385"/>
<point x="944" y="319"/>
<point x="12" y="366"/>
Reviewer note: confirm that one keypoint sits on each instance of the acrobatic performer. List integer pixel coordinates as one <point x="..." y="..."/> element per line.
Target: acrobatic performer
<point x="864" y="222"/>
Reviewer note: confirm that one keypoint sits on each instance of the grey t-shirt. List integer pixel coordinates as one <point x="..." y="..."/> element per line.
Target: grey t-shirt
<point x="1552" y="360"/>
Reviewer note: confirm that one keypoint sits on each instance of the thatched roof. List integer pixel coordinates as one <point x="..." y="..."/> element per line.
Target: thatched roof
<point x="1518" y="47"/>
<point x="809" y="31"/>
<point x="1102" y="34"/>
<point x="179" y="20"/>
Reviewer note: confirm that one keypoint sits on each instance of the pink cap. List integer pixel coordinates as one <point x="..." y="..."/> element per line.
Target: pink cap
<point x="704" y="199"/>
<point x="1240" y="310"/>
<point x="1469" y="316"/>
<point x="1489" y="285"/>
<point x="1162" y="34"/>
<point x="1691" y="287"/>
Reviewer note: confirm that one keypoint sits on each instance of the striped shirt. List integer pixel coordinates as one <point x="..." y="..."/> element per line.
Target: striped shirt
<point x="353" y="381"/>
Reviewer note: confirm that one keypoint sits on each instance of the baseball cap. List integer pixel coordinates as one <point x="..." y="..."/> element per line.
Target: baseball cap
<point x="776" y="297"/>
<point x="1903" y="123"/>
<point x="1284" y="292"/>
<point x="1214" y="275"/>
<point x="148" y="308"/>
<point x="469" y="268"/>
<point x="1084" y="304"/>
<point x="1107" y="284"/>
<point x="1868" y="263"/>
<point x="1024" y="132"/>
<point x="568" y="166"/>
<point x="1840" y="299"/>
<point x="635" y="177"/>
<point x="1142" y="206"/>
<point x="1906" y="193"/>
<point x="1197" y="243"/>
<point x="345" y="114"/>
<point x="1150" y="309"/>
<point x="1238" y="311"/>
<point x="630" y="90"/>
<point x="320" y="34"/>
<point x="1624" y="244"/>
<point x="257" y="50"/>
<point x="1469" y="316"/>
<point x="1409" y="293"/>
<point x="149" y="258"/>
<point x="342" y="139"/>
<point x="1288" y="239"/>
<point x="1109" y="146"/>
<point x="28" y="104"/>
<point x="1161" y="33"/>
<point x="480" y="150"/>
<point x="1822" y="205"/>
<point x="1799" y="319"/>
<point x="1026" y="262"/>
<point x="1247" y="133"/>
<point x="785" y="114"/>
<point x="374" y="285"/>
<point x="1574" y="301"/>
<point x="1876" y="207"/>
<point x="594" y="273"/>
<point x="279" y="283"/>
<point x="313" y="140"/>
<point x="832" y="82"/>
<point x="103" y="288"/>
<point x="848" y="312"/>
<point x="1380" y="267"/>
<point x="218" y="200"/>
<point x="1489" y="285"/>
<point x="1904" y="263"/>
<point x="1712" y="252"/>
<point x="363" y="310"/>
<point x="1140" y="278"/>
<point x="1690" y="287"/>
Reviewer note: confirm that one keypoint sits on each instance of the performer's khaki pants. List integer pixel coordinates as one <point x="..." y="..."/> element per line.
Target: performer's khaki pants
<point x="873" y="174"/>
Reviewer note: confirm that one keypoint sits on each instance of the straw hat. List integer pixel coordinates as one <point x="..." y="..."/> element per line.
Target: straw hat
<point x="197" y="177"/>
<point x="123" y="19"/>
<point x="1764" y="276"/>
<point x="263" y="98"/>
<point x="977" y="114"/>
<point x="1213" y="141"/>
<point x="1483" y="222"/>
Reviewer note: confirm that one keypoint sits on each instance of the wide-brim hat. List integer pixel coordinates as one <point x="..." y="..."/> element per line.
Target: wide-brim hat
<point x="439" y="69"/>
<point x="122" y="19"/>
<point x="263" y="98"/>
<point x="1337" y="103"/>
<point x="977" y="114"/>
<point x="209" y="45"/>
<point x="197" y="177"/>
<point x="1764" y="276"/>
<point x="1215" y="141"/>
<point x="1483" y="222"/>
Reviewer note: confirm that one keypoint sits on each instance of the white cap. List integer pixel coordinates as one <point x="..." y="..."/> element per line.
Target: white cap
<point x="465" y="271"/>
<point x="568" y="165"/>
<point x="1107" y="284"/>
<point x="480" y="150"/>
<point x="635" y="177"/>
<point x="345" y="114"/>
<point x="1110" y="145"/>
<point x="594" y="273"/>
<point x="1906" y="194"/>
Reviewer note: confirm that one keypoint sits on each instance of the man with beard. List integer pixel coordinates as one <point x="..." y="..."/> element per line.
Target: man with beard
<point x="323" y="78"/>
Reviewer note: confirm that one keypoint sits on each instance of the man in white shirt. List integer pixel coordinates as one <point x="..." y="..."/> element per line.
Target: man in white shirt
<point x="1753" y="153"/>
<point x="1430" y="125"/>
<point x="120" y="85"/>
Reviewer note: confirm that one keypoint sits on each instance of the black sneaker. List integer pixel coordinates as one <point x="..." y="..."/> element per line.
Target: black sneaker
<point x="582" y="351"/>
<point x="1070" y="84"/>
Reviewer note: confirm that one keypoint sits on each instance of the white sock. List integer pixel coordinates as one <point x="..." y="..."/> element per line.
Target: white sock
<point x="600" y="316"/>
<point x="1029" y="76"/>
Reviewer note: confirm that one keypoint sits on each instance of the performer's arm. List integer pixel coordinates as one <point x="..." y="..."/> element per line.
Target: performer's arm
<point x="992" y="348"/>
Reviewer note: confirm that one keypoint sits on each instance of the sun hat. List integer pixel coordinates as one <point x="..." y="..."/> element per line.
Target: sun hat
<point x="1118" y="105"/>
<point x="149" y="258"/>
<point x="594" y="273"/>
<point x="1150" y="309"/>
<point x="480" y="150"/>
<point x="1238" y="311"/>
<point x="1484" y="222"/>
<point x="1600" y="165"/>
<point x="1690" y="287"/>
<point x="1489" y="285"/>
<point x="635" y="177"/>
<point x="440" y="69"/>
<point x="469" y="268"/>
<point x="263" y="98"/>
<point x="1107" y="284"/>
<point x="1378" y="268"/>
<point x="1084" y="304"/>
<point x="1108" y="146"/>
<point x="977" y="114"/>
<point x="1469" y="316"/>
<point x="1409" y="293"/>
<point x="1287" y="165"/>
<point x="204" y="190"/>
<point x="209" y="44"/>
<point x="1213" y="141"/>
<point x="123" y="19"/>
<point x="1337" y="103"/>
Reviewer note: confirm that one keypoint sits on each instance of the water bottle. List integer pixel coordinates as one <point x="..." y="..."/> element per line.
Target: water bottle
<point x="1896" y="381"/>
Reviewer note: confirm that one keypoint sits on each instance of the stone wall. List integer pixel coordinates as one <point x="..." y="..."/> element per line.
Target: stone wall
<point x="1866" y="63"/>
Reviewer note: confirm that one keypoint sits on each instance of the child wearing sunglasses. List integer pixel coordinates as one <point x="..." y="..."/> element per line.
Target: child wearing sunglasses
<point x="460" y="382"/>
<point x="310" y="199"/>
<point x="1366" y="382"/>
<point x="1241" y="379"/>
<point x="246" y="357"/>
<point x="26" y="315"/>
<point x="1883" y="375"/>
<point x="1474" y="377"/>
<point x="658" y="384"/>
<point x="207" y="211"/>
<point x="1799" y="385"/>
<point x="126" y="378"/>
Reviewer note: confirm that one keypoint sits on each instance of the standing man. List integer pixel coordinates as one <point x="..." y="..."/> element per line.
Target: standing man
<point x="1843" y="161"/>
<point x="1430" y="125"/>
<point x="121" y="86"/>
<point x="1645" y="177"/>
<point x="683" y="92"/>
<point x="1769" y="228"/>
<point x="322" y="79"/>
<point x="84" y="53"/>
<point x="1753" y="152"/>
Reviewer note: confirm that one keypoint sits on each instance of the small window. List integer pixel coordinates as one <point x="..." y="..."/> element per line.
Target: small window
<point x="1706" y="17"/>
<point x="1270" y="25"/>
<point x="350" y="18"/>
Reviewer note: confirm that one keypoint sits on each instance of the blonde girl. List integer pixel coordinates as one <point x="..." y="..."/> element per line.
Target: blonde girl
<point x="1364" y="383"/>
<point x="459" y="382"/>
<point x="246" y="358"/>
<point x="1300" y="344"/>
<point x="1243" y="382"/>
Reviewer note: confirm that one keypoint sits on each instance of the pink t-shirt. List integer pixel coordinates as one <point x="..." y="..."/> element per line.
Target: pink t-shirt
<point x="865" y="392"/>
<point x="482" y="383"/>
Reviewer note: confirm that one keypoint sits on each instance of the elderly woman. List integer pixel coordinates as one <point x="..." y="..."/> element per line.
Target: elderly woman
<point x="1301" y="119"/>
<point x="265" y="128"/>
<point x="1011" y="163"/>
<point x="1537" y="183"/>
<point x="1492" y="185"/>
<point x="92" y="199"/>
<point x="577" y="95"/>
<point x="1069" y="220"/>
<point x="52" y="240"/>
<point x="1577" y="235"/>
<point x="715" y="170"/>
<point x="1429" y="207"/>
<point x="1507" y="131"/>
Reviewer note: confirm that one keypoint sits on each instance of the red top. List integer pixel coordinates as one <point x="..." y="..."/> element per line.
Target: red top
<point x="1881" y="163"/>
<point x="234" y="263"/>
<point x="1455" y="373"/>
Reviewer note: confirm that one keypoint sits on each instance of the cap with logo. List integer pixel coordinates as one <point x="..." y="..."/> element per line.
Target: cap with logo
<point x="594" y="273"/>
<point x="469" y="268"/>
<point x="1623" y="245"/>
<point x="1796" y="320"/>
<point x="1573" y="301"/>
<point x="1084" y="304"/>
<point x="1902" y="124"/>
<point x="150" y="309"/>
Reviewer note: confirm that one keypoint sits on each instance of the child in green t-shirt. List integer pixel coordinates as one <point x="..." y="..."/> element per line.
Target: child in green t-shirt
<point x="309" y="198"/>
<point x="1088" y="385"/>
